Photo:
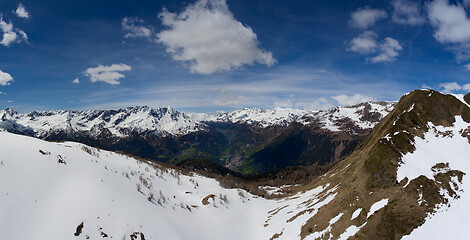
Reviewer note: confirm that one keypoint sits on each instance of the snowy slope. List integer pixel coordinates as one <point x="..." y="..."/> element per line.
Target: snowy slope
<point x="71" y="191"/>
<point x="442" y="145"/>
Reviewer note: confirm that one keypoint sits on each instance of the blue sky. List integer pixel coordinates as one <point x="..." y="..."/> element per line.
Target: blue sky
<point x="211" y="55"/>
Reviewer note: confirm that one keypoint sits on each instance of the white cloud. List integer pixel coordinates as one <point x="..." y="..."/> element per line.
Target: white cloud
<point x="366" y="17"/>
<point x="316" y="104"/>
<point x="228" y="98"/>
<point x="209" y="39"/>
<point x="5" y="78"/>
<point x="407" y="12"/>
<point x="8" y="38"/>
<point x="76" y="81"/>
<point x="351" y="100"/>
<point x="467" y="67"/>
<point x="107" y="74"/>
<point x="389" y="51"/>
<point x="365" y="43"/>
<point x="466" y="87"/>
<point x="10" y="34"/>
<point x="23" y="34"/>
<point x="450" y="21"/>
<point x="134" y="28"/>
<point x="450" y="87"/>
<point x="285" y="103"/>
<point x="21" y="12"/>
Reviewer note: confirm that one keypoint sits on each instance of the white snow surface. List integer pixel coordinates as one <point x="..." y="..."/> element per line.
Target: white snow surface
<point x="450" y="221"/>
<point x="461" y="98"/>
<point x="356" y="213"/>
<point x="377" y="206"/>
<point x="49" y="189"/>
<point x="327" y="230"/>
<point x="350" y="231"/>
<point x="429" y="151"/>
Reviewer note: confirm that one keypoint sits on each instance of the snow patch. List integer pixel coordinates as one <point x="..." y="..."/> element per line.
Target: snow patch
<point x="350" y="231"/>
<point x="377" y="206"/>
<point x="356" y="213"/>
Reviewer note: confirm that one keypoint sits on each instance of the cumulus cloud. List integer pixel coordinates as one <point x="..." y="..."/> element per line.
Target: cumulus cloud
<point x="209" y="39"/>
<point x="135" y="28"/>
<point x="450" y="87"/>
<point x="76" y="81"/>
<point x="366" y="17"/>
<point x="407" y="12"/>
<point x="107" y="74"/>
<point x="5" y="78"/>
<point x="21" y="12"/>
<point x="389" y="51"/>
<point x="351" y="100"/>
<point x="10" y="34"/>
<point x="452" y="26"/>
<point x="365" y="43"/>
<point x="450" y="21"/>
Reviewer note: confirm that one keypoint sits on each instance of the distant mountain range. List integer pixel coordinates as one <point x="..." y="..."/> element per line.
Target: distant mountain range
<point x="242" y="140"/>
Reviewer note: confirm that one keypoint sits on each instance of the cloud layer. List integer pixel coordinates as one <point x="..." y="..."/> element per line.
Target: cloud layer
<point x="209" y="39"/>
<point x="346" y="100"/>
<point x="5" y="78"/>
<point x="107" y="74"/>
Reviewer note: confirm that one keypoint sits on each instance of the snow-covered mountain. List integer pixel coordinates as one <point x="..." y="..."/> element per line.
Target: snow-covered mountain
<point x="408" y="180"/>
<point x="169" y="122"/>
<point x="162" y="121"/>
<point x="72" y="191"/>
<point x="261" y="117"/>
<point x="226" y="138"/>
<point x="363" y="116"/>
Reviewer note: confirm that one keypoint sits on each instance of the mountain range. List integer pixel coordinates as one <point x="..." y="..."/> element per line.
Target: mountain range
<point x="406" y="179"/>
<point x="243" y="140"/>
